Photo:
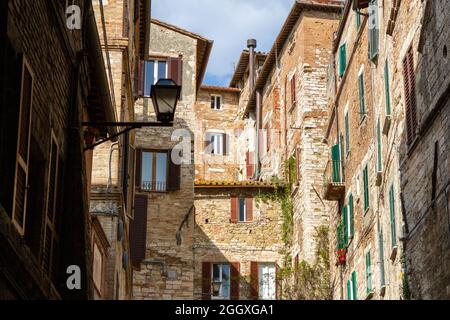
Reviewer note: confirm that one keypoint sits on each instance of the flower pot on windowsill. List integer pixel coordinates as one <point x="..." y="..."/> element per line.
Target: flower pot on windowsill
<point x="341" y="256"/>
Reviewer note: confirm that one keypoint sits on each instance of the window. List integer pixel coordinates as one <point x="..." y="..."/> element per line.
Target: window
<point x="293" y="92"/>
<point x="409" y="79"/>
<point x="351" y="216"/>
<point x="154" y="70"/>
<point x="392" y="217"/>
<point x="381" y="253"/>
<point x="342" y="158"/>
<point x="220" y="281"/>
<point x="335" y="155"/>
<point x="374" y="29"/>
<point x="358" y="18"/>
<point x="368" y="274"/>
<point x="216" y="102"/>
<point x="216" y="143"/>
<point x="342" y="59"/>
<point x="241" y="209"/>
<point x="387" y="88"/>
<point x="345" y="223"/>
<point x="379" y="155"/>
<point x="267" y="280"/>
<point x="53" y="206"/>
<point x="366" y="188"/>
<point x="362" y="100"/>
<point x="351" y="287"/>
<point x="23" y="149"/>
<point x="347" y="133"/>
<point x="154" y="171"/>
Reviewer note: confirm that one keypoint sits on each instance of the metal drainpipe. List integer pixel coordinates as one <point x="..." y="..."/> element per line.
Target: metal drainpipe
<point x="258" y="132"/>
<point x="251" y="45"/>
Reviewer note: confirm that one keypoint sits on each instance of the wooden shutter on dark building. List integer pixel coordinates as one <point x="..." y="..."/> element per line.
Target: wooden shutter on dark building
<point x="175" y="70"/>
<point x="410" y="95"/>
<point x="174" y="174"/>
<point x="234" y="281"/>
<point x="138" y="170"/>
<point x="138" y="231"/>
<point x="234" y="210"/>
<point x="254" y="280"/>
<point x="206" y="281"/>
<point x="249" y="209"/>
<point x="141" y="78"/>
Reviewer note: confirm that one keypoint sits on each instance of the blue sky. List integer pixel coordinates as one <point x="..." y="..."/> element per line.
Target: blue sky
<point x="229" y="23"/>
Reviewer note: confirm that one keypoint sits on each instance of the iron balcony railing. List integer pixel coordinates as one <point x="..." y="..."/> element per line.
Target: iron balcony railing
<point x="158" y="186"/>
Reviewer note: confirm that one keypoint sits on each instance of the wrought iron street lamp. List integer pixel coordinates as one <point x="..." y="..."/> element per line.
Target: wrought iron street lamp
<point x="165" y="94"/>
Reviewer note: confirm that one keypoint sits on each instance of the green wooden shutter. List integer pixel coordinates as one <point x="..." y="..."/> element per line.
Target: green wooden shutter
<point x="342" y="59"/>
<point x="392" y="214"/>
<point x="387" y="88"/>
<point x="368" y="274"/>
<point x="336" y="164"/>
<point x="379" y="159"/>
<point x="362" y="102"/>
<point x="347" y="134"/>
<point x="366" y="188"/>
<point x="358" y="19"/>
<point x="345" y="223"/>
<point x="349" y="290"/>
<point x="352" y="216"/>
<point x="341" y="149"/>
<point x="381" y="252"/>
<point x="354" y="285"/>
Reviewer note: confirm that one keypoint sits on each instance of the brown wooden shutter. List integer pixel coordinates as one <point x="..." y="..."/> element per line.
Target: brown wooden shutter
<point x="131" y="180"/>
<point x="206" y="281"/>
<point x="254" y="280"/>
<point x="250" y="166"/>
<point x="225" y="144"/>
<point x="138" y="171"/>
<point x="234" y="280"/>
<point x="141" y="78"/>
<point x="175" y="65"/>
<point x="174" y="174"/>
<point x="249" y="209"/>
<point x="297" y="166"/>
<point x="234" y="210"/>
<point x="410" y="95"/>
<point x="138" y="231"/>
<point x="293" y="91"/>
<point x="278" y="283"/>
<point x="23" y="149"/>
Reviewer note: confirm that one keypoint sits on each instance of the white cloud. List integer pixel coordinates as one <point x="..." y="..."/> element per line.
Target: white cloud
<point x="229" y="23"/>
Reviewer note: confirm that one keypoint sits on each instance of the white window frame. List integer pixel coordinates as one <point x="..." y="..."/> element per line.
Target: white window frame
<point x="217" y="96"/>
<point x="216" y="143"/>
<point x="221" y="280"/>
<point x="262" y="287"/>
<point x="155" y="72"/>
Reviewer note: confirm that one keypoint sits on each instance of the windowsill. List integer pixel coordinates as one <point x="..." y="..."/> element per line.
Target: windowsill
<point x="220" y="298"/>
<point x="154" y="191"/>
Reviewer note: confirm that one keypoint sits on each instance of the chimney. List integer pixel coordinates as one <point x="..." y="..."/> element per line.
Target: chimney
<point x="251" y="45"/>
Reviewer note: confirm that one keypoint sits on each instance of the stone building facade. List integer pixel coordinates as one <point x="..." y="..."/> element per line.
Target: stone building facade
<point x="163" y="217"/>
<point x="365" y="133"/>
<point x="127" y="27"/>
<point x="52" y="80"/>
<point x="421" y="32"/>
<point x="289" y="98"/>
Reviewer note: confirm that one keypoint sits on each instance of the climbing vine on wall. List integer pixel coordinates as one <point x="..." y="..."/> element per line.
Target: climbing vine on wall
<point x="302" y="281"/>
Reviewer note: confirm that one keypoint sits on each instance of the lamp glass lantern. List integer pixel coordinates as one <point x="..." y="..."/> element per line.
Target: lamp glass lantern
<point x="216" y="287"/>
<point x="165" y="95"/>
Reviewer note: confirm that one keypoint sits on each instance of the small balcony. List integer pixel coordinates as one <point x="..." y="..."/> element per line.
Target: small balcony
<point x="333" y="183"/>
